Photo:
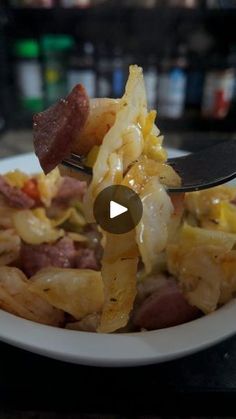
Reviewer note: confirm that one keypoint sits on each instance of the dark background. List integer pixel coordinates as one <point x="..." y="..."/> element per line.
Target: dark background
<point x="159" y="36"/>
<point x="35" y="387"/>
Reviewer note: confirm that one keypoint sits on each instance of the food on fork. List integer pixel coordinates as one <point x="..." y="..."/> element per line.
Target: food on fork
<point x="73" y="124"/>
<point x="176" y="265"/>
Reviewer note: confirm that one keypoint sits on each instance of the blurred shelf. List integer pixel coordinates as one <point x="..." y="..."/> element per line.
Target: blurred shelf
<point x="114" y="9"/>
<point x="197" y="123"/>
<point x="189" y="122"/>
<point x="96" y="20"/>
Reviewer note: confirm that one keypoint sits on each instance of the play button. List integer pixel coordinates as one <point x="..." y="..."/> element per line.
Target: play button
<point x="117" y="209"/>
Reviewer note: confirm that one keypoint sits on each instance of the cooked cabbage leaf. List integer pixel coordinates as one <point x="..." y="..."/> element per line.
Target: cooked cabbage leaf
<point x="132" y="138"/>
<point x="48" y="185"/>
<point x="34" y="227"/>
<point x="119" y="269"/>
<point x="152" y="231"/>
<point x="78" y="292"/>
<point x="16" y="298"/>
<point x="9" y="246"/>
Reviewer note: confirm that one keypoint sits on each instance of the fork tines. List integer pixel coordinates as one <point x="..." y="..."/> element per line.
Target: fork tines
<point x="75" y="162"/>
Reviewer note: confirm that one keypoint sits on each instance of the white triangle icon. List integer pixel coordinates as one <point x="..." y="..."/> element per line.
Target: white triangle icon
<point x="116" y="209"/>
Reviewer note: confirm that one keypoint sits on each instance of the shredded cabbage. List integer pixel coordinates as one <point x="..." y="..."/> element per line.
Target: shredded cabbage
<point x="132" y="137"/>
<point x="228" y="286"/>
<point x="124" y="142"/>
<point x="16" y="178"/>
<point x="78" y="292"/>
<point x="202" y="203"/>
<point x="9" y="246"/>
<point x="6" y="216"/>
<point x="34" y="227"/>
<point x="152" y="231"/>
<point x="16" y="298"/>
<point x="48" y="185"/>
<point x="70" y="215"/>
<point x="119" y="269"/>
<point x="201" y="276"/>
<point x="198" y="260"/>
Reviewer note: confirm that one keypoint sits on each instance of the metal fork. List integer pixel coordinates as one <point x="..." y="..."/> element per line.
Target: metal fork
<point x="201" y="170"/>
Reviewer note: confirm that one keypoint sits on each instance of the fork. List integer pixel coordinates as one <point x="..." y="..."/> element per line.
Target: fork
<point x="201" y="170"/>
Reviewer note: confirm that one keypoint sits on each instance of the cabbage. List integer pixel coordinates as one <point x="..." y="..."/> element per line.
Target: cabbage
<point x="16" y="298"/>
<point x="228" y="286"/>
<point x="102" y="113"/>
<point x="152" y="232"/>
<point x="76" y="237"/>
<point x="124" y="142"/>
<point x="132" y="141"/>
<point x="224" y="215"/>
<point x="125" y="130"/>
<point x="6" y="215"/>
<point x="9" y="246"/>
<point x="195" y="236"/>
<point x="199" y="259"/>
<point x="200" y="265"/>
<point x="48" y="185"/>
<point x="16" y="178"/>
<point x="78" y="292"/>
<point x="202" y="203"/>
<point x="144" y="169"/>
<point x="34" y="227"/>
<point x="70" y="215"/>
<point x="119" y="268"/>
<point x="88" y="324"/>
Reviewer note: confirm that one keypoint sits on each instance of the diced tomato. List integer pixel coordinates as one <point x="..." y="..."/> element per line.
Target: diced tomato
<point x="31" y="189"/>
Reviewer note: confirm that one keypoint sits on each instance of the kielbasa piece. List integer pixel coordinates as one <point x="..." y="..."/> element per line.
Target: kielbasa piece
<point x="164" y="308"/>
<point x="16" y="198"/>
<point x="57" y="127"/>
<point x="70" y="189"/>
<point x="61" y="254"/>
<point x="86" y="259"/>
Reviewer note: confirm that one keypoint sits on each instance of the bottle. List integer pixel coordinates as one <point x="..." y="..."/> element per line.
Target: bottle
<point x="4" y="89"/>
<point x="218" y="87"/>
<point x="183" y="3"/>
<point x="195" y="81"/>
<point x="28" y="74"/>
<point x="81" y="69"/>
<point x="218" y="93"/>
<point x="32" y="3"/>
<point x="221" y="4"/>
<point x="142" y="3"/>
<point x="151" y="81"/>
<point x="118" y="73"/>
<point x="55" y="49"/>
<point x="231" y="60"/>
<point x="172" y="86"/>
<point x="104" y="72"/>
<point x="75" y="3"/>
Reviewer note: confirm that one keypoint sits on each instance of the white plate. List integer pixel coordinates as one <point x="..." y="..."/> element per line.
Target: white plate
<point x="115" y="349"/>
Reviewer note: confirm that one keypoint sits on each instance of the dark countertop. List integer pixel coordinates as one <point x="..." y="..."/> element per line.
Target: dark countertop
<point x="204" y="383"/>
<point x="201" y="384"/>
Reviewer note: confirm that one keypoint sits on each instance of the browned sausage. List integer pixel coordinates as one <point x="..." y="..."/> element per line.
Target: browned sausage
<point x="164" y="308"/>
<point x="56" y="129"/>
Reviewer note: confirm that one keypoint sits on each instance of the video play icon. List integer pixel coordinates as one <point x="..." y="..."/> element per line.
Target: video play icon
<point x="117" y="209"/>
